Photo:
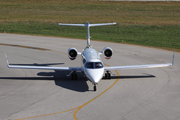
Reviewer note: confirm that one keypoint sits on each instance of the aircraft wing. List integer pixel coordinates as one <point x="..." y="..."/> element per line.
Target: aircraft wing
<point x="140" y="66"/>
<point x="137" y="66"/>
<point x="43" y="67"/>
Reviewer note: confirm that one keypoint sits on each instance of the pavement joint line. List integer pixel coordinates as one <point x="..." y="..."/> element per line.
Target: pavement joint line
<point x="77" y="108"/>
<point x="29" y="47"/>
<point x="22" y="46"/>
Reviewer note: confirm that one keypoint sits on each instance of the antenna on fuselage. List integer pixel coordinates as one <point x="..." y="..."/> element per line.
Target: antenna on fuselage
<point x="88" y="26"/>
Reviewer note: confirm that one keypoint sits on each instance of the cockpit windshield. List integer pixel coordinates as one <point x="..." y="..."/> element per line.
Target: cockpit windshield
<point x="93" y="65"/>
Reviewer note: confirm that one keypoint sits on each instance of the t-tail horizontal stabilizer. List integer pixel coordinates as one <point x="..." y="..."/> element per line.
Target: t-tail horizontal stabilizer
<point x="88" y="25"/>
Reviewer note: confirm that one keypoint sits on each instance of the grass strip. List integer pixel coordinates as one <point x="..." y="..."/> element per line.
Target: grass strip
<point x="154" y="24"/>
<point x="162" y="36"/>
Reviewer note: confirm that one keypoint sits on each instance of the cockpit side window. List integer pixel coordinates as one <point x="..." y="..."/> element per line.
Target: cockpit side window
<point x="98" y="65"/>
<point x="89" y="65"/>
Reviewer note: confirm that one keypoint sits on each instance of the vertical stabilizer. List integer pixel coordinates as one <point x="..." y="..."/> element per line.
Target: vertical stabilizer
<point x="88" y="26"/>
<point x="88" y="34"/>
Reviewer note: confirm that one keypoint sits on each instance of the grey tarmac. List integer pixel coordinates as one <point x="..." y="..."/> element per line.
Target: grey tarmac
<point x="141" y="94"/>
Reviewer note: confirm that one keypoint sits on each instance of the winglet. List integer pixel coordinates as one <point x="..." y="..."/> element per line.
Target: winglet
<point x="173" y="58"/>
<point x="6" y="60"/>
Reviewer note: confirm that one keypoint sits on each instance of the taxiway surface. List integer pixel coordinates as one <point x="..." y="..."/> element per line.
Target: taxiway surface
<point x="142" y="94"/>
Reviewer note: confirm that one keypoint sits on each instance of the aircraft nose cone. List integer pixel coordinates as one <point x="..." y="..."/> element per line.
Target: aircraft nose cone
<point x="96" y="78"/>
<point x="95" y="75"/>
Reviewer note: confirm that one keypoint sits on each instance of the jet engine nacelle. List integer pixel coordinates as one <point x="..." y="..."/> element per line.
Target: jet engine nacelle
<point x="107" y="51"/>
<point x="72" y="53"/>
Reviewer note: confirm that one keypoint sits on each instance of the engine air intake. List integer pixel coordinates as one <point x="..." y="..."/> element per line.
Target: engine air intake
<point x="72" y="53"/>
<point x="107" y="52"/>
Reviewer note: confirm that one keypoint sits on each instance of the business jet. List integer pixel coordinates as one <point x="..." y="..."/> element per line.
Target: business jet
<point x="92" y="66"/>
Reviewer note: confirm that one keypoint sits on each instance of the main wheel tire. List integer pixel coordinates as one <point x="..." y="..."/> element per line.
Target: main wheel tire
<point x="109" y="76"/>
<point x="72" y="76"/>
<point x="105" y="75"/>
<point x="95" y="88"/>
<point x="75" y="76"/>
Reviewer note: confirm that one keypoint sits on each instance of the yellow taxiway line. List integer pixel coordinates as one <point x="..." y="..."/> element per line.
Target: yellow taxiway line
<point x="75" y="112"/>
<point x="77" y="108"/>
<point x="47" y="114"/>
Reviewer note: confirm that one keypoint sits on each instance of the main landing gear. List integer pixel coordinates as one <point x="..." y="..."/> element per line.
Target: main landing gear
<point x="107" y="75"/>
<point x="95" y="87"/>
<point x="74" y="75"/>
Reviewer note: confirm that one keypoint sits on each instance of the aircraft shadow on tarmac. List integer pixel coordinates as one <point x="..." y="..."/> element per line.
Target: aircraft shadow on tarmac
<point x="79" y="85"/>
<point x="64" y="81"/>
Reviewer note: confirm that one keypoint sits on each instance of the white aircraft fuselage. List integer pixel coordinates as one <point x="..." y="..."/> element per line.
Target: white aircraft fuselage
<point x="92" y="66"/>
